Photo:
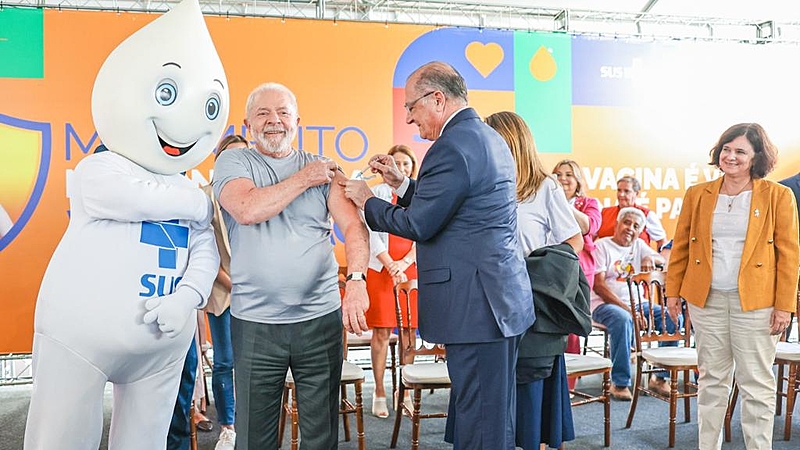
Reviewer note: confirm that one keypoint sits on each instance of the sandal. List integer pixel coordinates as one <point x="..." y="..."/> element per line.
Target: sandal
<point x="379" y="408"/>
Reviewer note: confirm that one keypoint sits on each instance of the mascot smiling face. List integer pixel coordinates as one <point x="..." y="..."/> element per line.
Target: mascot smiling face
<point x="161" y="98"/>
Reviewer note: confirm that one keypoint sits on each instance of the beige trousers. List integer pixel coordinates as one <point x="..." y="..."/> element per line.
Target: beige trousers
<point x="730" y="340"/>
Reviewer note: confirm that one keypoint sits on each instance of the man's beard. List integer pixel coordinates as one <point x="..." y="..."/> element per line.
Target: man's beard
<point x="280" y="147"/>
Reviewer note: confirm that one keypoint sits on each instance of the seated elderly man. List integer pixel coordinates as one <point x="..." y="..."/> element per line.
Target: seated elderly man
<point x="618" y="256"/>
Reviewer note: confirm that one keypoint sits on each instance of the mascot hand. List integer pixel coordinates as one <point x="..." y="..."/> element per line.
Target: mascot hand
<point x="172" y="312"/>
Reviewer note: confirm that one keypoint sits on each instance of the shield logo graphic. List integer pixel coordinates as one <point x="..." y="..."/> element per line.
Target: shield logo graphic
<point x="24" y="164"/>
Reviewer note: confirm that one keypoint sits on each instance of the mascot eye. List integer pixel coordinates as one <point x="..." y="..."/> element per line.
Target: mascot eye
<point x="212" y="108"/>
<point x="166" y="93"/>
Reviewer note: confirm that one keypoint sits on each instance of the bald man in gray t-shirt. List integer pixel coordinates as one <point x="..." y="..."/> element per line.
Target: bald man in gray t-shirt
<point x="286" y="312"/>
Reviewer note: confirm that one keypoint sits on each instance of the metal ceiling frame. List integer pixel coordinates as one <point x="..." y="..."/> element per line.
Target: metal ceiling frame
<point x="636" y="25"/>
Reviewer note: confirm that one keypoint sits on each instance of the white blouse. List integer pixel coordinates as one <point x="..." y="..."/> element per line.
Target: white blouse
<point x="728" y="231"/>
<point x="545" y="218"/>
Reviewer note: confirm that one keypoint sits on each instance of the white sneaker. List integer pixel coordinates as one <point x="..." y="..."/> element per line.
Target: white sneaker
<point x="227" y="440"/>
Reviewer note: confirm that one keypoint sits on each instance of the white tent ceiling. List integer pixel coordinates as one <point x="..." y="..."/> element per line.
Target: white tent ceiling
<point x="739" y="20"/>
<point x="785" y="10"/>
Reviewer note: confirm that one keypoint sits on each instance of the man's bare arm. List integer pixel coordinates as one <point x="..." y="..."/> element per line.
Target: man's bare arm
<point x="346" y="215"/>
<point x="605" y="293"/>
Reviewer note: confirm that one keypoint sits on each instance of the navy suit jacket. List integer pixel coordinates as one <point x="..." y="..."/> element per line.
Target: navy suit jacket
<point x="793" y="183"/>
<point x="461" y="211"/>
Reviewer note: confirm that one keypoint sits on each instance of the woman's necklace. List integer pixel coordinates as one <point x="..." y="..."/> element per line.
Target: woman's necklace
<point x="732" y="198"/>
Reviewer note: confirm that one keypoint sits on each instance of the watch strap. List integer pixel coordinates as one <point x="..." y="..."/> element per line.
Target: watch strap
<point x="356" y="276"/>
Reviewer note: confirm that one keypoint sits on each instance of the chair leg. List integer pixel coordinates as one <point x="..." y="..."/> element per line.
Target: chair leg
<point x="345" y="417"/>
<point x="791" y="396"/>
<point x="415" y="420"/>
<point x="295" y="424"/>
<point x="398" y="414"/>
<point x="687" y="401"/>
<point x="192" y="429"/>
<point x="393" y="350"/>
<point x="729" y="412"/>
<point x="607" y="406"/>
<point x="779" y="391"/>
<point x="282" y="418"/>
<point x="673" y="407"/>
<point x="360" y="417"/>
<point x="636" y="385"/>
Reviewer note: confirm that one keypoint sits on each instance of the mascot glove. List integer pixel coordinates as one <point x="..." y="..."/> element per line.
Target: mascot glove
<point x="172" y="312"/>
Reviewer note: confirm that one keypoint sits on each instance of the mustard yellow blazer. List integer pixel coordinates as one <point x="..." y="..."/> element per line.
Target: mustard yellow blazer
<point x="768" y="273"/>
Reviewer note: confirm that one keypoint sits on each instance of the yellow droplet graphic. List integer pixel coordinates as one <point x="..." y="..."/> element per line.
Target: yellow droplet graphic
<point x="543" y="65"/>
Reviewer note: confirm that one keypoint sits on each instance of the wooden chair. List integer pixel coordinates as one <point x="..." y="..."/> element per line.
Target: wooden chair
<point x="418" y="376"/>
<point x="581" y="366"/>
<point x="788" y="354"/>
<point x="363" y="342"/>
<point x="649" y="287"/>
<point x="597" y="330"/>
<point x="351" y="374"/>
<point x="192" y="429"/>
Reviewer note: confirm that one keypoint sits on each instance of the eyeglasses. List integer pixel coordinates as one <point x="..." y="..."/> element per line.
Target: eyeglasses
<point x="410" y="106"/>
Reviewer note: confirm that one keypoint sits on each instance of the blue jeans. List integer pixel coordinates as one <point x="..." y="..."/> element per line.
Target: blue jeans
<point x="179" y="429"/>
<point x="619" y="323"/>
<point x="222" y="373"/>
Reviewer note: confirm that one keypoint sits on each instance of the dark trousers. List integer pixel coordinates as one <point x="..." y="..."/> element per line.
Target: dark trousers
<point x="179" y="428"/>
<point x="262" y="353"/>
<point x="482" y="408"/>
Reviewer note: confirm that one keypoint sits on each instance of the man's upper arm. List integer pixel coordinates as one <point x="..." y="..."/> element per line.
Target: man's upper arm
<point x="343" y="211"/>
<point x="232" y="183"/>
<point x="233" y="194"/>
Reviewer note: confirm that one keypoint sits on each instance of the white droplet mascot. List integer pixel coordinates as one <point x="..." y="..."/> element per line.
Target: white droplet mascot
<point x="117" y="303"/>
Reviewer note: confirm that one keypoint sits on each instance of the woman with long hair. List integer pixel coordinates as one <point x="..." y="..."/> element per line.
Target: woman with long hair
<point x="544" y="414"/>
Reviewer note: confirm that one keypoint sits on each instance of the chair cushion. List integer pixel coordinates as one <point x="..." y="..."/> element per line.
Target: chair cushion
<point x="580" y="363"/>
<point x="429" y="373"/>
<point x="351" y="372"/>
<point x="671" y="356"/>
<point x="365" y="338"/>
<point x="788" y="351"/>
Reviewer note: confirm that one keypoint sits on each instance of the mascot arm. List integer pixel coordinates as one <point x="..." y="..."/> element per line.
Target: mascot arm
<point x="203" y="265"/>
<point x="173" y="312"/>
<point x="110" y="190"/>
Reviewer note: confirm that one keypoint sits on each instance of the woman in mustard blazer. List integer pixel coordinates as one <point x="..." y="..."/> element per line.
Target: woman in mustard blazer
<point x="735" y="262"/>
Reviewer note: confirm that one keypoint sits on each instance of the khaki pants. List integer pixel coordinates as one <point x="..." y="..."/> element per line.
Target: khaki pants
<point x="730" y="340"/>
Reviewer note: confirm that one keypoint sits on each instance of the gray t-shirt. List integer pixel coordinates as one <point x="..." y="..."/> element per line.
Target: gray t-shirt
<point x="282" y="270"/>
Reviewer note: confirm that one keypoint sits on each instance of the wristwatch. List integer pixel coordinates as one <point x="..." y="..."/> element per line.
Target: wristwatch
<point x="356" y="276"/>
<point x="408" y="260"/>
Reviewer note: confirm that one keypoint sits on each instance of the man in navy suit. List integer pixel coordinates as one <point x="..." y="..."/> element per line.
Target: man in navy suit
<point x="793" y="183"/>
<point x="474" y="292"/>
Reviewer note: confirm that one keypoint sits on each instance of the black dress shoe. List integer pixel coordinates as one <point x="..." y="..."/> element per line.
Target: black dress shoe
<point x="205" y="425"/>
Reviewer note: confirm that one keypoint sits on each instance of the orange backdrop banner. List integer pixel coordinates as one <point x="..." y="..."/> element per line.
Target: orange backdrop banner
<point x="648" y="109"/>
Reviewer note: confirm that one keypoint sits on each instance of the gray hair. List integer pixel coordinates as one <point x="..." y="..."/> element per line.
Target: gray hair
<point x="269" y="87"/>
<point x="631" y="211"/>
<point x="633" y="181"/>
<point x="440" y="76"/>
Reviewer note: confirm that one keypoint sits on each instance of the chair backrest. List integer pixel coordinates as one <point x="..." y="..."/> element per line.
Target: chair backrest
<point x="406" y="344"/>
<point x="647" y="288"/>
